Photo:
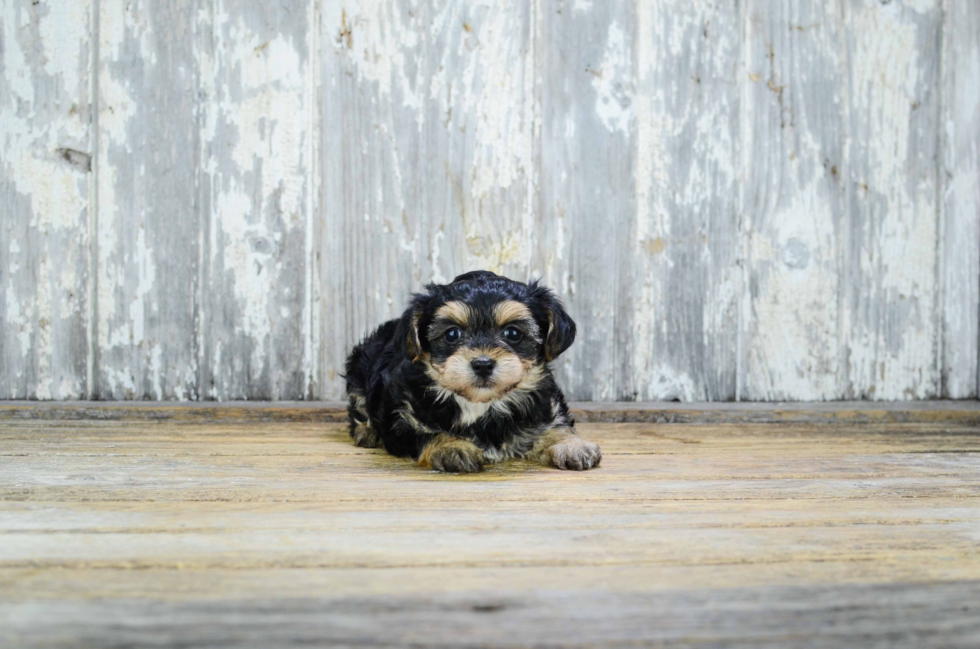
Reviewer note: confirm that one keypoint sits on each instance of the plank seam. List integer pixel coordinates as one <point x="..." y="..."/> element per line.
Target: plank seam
<point x="91" y="356"/>
<point x="740" y="209"/>
<point x="203" y="256"/>
<point x="531" y="97"/>
<point x="205" y="181"/>
<point x="846" y="389"/>
<point x="311" y="339"/>
<point x="939" y="310"/>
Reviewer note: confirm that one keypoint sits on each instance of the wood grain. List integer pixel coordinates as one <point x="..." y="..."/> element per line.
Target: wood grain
<point x="127" y="532"/>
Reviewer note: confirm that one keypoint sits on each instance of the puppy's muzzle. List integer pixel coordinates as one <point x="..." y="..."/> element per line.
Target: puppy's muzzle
<point x="483" y="366"/>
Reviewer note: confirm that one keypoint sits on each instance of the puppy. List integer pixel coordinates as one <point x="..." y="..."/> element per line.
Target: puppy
<point x="462" y="379"/>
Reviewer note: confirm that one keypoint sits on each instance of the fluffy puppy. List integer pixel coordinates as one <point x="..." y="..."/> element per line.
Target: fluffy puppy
<point x="462" y="379"/>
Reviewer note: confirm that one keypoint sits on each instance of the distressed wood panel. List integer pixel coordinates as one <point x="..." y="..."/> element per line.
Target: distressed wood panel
<point x="45" y="201"/>
<point x="960" y="200"/>
<point x="761" y="201"/>
<point x="853" y="534"/>
<point x="255" y="312"/>
<point x="685" y="239"/>
<point x="587" y="199"/>
<point x="149" y="217"/>
<point x="891" y="307"/>
<point x="426" y="156"/>
<point x="793" y="199"/>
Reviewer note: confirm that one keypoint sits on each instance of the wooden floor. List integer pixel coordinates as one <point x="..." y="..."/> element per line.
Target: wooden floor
<point x="247" y="531"/>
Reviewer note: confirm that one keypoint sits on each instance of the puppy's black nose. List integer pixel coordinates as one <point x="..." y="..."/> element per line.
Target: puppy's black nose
<point x="483" y="366"/>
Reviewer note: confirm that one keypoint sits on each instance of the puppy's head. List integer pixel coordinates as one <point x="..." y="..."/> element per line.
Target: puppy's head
<point x="483" y="335"/>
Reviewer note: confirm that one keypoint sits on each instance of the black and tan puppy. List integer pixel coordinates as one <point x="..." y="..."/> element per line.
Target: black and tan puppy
<point x="462" y="379"/>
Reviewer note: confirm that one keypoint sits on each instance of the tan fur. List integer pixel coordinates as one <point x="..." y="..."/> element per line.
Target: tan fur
<point x="549" y="354"/>
<point x="511" y="311"/>
<point x="366" y="437"/>
<point x="458" y="312"/>
<point x="563" y="449"/>
<point x="412" y="343"/>
<point x="456" y="373"/>
<point x="452" y="454"/>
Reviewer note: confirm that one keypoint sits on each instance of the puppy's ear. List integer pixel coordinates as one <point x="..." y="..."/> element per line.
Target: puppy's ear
<point x="561" y="328"/>
<point x="407" y="331"/>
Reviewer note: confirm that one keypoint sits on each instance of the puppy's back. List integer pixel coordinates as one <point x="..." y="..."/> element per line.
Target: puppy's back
<point x="367" y="355"/>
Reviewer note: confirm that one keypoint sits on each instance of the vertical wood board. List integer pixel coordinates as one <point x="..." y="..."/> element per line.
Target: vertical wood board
<point x="586" y="66"/>
<point x="960" y="200"/>
<point x="793" y="210"/>
<point x="685" y="239"/>
<point x="149" y="218"/>
<point x="45" y="201"/>
<point x="257" y="137"/>
<point x="891" y="306"/>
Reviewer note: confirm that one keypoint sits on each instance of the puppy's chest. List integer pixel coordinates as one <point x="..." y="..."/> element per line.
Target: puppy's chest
<point x="499" y="431"/>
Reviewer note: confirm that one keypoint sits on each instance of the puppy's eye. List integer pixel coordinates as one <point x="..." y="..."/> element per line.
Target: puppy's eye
<point x="452" y="335"/>
<point x="513" y="335"/>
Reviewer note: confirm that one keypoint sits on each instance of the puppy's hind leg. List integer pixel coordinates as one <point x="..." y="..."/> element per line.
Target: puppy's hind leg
<point x="360" y="424"/>
<point x="563" y="449"/>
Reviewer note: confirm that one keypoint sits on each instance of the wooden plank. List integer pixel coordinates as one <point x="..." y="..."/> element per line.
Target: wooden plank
<point x="149" y="216"/>
<point x="375" y="230"/>
<point x="315" y="463"/>
<point x="891" y="304"/>
<point x="858" y="412"/>
<point x="426" y="157"/>
<point x="873" y="615"/>
<point x="793" y="209"/>
<point x="960" y="200"/>
<point x="686" y="235"/>
<point x="585" y="62"/>
<point x="45" y="201"/>
<point x="734" y="535"/>
<point x="420" y="584"/>
<point x="256" y="338"/>
<point x="479" y="143"/>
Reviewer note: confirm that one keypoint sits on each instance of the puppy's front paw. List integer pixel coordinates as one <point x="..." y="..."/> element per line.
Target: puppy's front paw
<point x="454" y="460"/>
<point x="568" y="451"/>
<point x="452" y="455"/>
<point x="364" y="436"/>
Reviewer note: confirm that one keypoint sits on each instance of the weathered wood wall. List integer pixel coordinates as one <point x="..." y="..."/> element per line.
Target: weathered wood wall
<point x="756" y="200"/>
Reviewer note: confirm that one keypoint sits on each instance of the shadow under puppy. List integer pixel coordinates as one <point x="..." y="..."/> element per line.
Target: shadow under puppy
<point x="462" y="379"/>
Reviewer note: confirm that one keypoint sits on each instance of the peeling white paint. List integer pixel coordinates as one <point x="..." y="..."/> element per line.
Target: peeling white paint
<point x="16" y="71"/>
<point x="614" y="84"/>
<point x="379" y="40"/>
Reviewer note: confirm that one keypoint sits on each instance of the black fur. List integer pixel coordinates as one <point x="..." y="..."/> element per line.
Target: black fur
<point x="386" y="372"/>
